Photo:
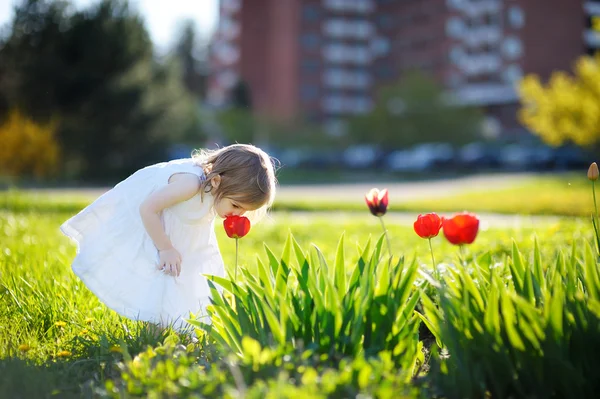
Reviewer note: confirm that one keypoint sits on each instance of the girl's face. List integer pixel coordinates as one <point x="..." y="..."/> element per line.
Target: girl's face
<point x="232" y="207"/>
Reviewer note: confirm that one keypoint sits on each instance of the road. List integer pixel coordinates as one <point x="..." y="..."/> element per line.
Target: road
<point x="403" y="191"/>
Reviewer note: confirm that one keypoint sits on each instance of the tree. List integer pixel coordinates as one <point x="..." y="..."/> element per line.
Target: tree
<point x="240" y="96"/>
<point x="237" y="122"/>
<point x="192" y="55"/>
<point x="94" y="71"/>
<point x="415" y="111"/>
<point x="567" y="108"/>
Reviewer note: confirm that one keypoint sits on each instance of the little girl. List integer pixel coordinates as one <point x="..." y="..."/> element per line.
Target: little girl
<point x="144" y="246"/>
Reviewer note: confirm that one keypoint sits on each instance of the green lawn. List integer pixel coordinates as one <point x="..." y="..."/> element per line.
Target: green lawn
<point x="58" y="339"/>
<point x="565" y="195"/>
<point x="68" y="337"/>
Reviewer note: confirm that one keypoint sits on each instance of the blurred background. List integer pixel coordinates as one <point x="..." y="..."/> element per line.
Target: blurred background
<point x="336" y="90"/>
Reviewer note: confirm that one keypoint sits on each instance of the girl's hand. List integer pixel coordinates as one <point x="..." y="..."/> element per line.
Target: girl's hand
<point x="170" y="261"/>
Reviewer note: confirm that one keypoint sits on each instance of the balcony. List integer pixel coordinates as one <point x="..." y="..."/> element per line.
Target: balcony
<point x="358" y="6"/>
<point x="480" y="7"/>
<point x="480" y="63"/>
<point x="339" y="104"/>
<point x="592" y="8"/>
<point x="357" y="29"/>
<point x="592" y="38"/>
<point x="487" y="34"/>
<point x="341" y="53"/>
<point x="346" y="79"/>
<point x="228" y="28"/>
<point x="226" y="53"/>
<point x="485" y="94"/>
<point x="227" y="78"/>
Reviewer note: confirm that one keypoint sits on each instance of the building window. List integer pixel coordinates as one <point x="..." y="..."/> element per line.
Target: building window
<point x="352" y="104"/>
<point x="333" y="103"/>
<point x="231" y="6"/>
<point x="359" y="29"/>
<point x="310" y="13"/>
<point x="454" y="80"/>
<point x="362" y="6"/>
<point x="491" y="19"/>
<point x="384" y="71"/>
<point x="380" y="46"/>
<point x="310" y="66"/>
<point x="347" y="78"/>
<point x="335" y="127"/>
<point x="456" y="4"/>
<point x="516" y="17"/>
<point x="455" y="27"/>
<point x="385" y="21"/>
<point x="457" y="54"/>
<point x="512" y="48"/>
<point x="309" y="93"/>
<point x="310" y="41"/>
<point x="512" y="73"/>
<point x="356" y="54"/>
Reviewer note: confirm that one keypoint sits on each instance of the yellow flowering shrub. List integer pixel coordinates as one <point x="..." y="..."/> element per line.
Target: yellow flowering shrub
<point x="567" y="108"/>
<point x="27" y="148"/>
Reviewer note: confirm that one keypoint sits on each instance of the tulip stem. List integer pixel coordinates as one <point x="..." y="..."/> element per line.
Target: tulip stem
<point x="387" y="237"/>
<point x="435" y="270"/>
<point x="463" y="258"/>
<point x="595" y="221"/>
<point x="236" y="258"/>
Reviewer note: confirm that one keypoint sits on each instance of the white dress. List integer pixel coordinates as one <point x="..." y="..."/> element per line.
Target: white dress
<point x="117" y="259"/>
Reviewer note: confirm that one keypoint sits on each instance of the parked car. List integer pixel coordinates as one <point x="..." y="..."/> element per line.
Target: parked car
<point x="421" y="157"/>
<point x="479" y="155"/>
<point x="361" y="156"/>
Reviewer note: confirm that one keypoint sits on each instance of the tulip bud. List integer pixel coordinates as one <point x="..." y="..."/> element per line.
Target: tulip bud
<point x="377" y="201"/>
<point x="593" y="172"/>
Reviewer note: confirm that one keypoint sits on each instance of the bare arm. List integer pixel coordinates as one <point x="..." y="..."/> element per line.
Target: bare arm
<point x="181" y="187"/>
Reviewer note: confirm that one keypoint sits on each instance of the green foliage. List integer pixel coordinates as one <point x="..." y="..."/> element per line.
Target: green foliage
<point x="238" y="125"/>
<point x="336" y="311"/>
<point x="193" y="60"/>
<point x="415" y="111"/>
<point x="94" y="71"/>
<point x="521" y="328"/>
<point x="566" y="109"/>
<point x="174" y="370"/>
<point x="320" y="323"/>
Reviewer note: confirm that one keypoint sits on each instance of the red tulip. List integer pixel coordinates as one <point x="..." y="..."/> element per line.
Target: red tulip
<point x="377" y="201"/>
<point x="428" y="226"/>
<point x="236" y="226"/>
<point x="461" y="229"/>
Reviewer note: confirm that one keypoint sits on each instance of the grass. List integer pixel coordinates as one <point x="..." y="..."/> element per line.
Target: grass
<point x="57" y="338"/>
<point x="563" y="195"/>
<point x="72" y="338"/>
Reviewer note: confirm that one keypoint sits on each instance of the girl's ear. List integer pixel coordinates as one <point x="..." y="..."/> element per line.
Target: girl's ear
<point x="215" y="181"/>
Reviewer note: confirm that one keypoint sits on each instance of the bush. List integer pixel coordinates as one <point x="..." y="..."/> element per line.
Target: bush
<point x="28" y="148"/>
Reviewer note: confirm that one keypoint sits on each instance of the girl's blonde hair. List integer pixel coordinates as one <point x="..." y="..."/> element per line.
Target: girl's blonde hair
<point x="247" y="175"/>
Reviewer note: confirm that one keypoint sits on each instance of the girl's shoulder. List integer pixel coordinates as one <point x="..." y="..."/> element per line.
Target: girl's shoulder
<point x="184" y="165"/>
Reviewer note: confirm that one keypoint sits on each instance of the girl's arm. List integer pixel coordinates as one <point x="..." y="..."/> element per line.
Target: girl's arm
<point x="181" y="187"/>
